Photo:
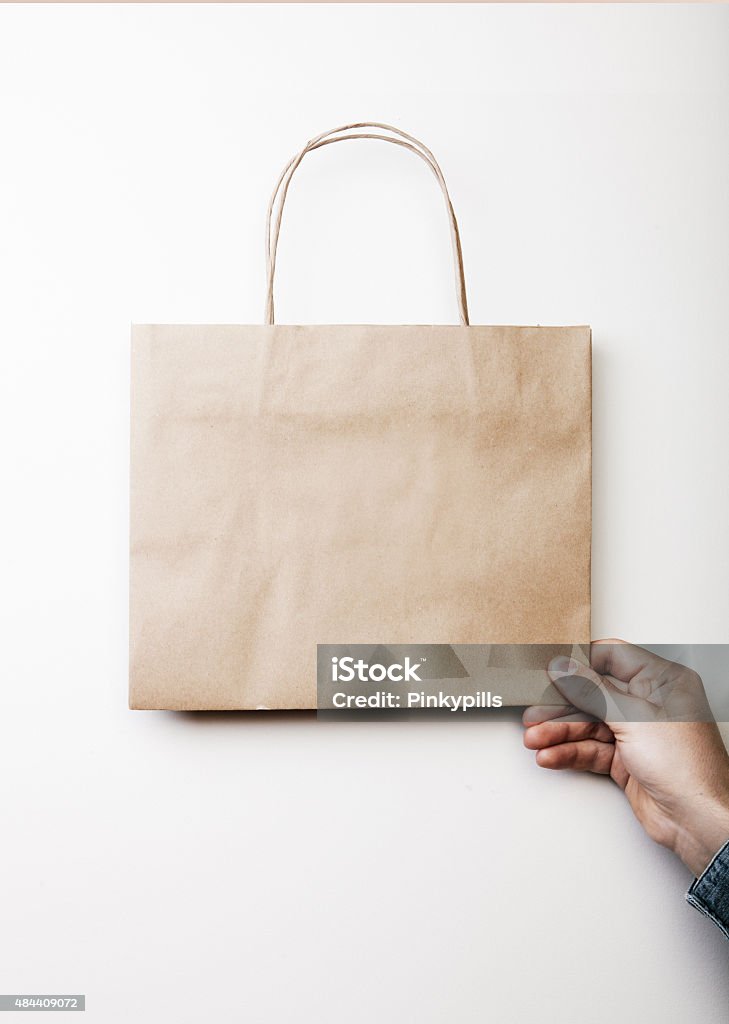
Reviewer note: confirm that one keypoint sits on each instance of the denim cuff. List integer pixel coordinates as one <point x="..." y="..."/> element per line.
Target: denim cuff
<point x="710" y="893"/>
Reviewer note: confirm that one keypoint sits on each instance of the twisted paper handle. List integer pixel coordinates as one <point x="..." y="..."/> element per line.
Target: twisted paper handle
<point x="273" y="220"/>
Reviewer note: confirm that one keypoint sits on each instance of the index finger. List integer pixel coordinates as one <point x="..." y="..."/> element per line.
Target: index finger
<point x="538" y="713"/>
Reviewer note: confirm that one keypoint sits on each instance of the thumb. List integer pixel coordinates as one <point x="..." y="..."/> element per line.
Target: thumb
<point x="594" y="694"/>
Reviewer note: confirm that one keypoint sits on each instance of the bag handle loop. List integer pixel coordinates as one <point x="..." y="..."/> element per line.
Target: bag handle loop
<point x="273" y="220"/>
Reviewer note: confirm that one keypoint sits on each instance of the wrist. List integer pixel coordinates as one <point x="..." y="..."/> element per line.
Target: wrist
<point x="702" y="833"/>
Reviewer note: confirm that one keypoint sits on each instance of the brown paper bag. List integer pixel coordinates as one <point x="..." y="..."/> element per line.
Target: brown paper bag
<point x="294" y="486"/>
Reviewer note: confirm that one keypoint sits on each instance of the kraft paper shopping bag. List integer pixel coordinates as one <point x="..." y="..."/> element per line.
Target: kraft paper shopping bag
<point x="294" y="486"/>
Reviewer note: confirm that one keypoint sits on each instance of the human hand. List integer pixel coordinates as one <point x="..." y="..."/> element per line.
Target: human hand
<point x="646" y="723"/>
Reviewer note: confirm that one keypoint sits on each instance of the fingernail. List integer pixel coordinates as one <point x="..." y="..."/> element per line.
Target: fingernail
<point x="561" y="666"/>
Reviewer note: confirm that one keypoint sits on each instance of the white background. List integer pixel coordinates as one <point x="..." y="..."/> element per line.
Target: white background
<point x="253" y="869"/>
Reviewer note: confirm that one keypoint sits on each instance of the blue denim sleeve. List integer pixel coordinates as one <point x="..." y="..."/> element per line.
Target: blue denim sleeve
<point x="710" y="893"/>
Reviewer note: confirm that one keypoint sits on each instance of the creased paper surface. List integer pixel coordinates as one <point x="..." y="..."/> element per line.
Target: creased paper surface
<point x="350" y="485"/>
